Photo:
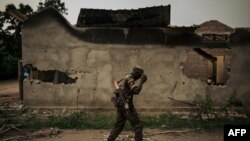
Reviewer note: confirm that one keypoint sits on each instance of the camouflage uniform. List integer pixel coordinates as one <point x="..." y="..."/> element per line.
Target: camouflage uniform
<point x="127" y="112"/>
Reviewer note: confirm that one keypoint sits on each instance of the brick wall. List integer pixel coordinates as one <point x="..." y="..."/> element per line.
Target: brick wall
<point x="196" y="66"/>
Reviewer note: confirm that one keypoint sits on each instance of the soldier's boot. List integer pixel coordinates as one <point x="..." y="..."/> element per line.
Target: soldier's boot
<point x="138" y="132"/>
<point x="137" y="126"/>
<point x="115" y="131"/>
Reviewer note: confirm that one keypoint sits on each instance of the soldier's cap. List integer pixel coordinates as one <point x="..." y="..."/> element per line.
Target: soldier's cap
<point x="138" y="69"/>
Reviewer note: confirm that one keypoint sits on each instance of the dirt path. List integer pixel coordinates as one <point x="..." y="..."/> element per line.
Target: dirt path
<point x="100" y="135"/>
<point x="9" y="91"/>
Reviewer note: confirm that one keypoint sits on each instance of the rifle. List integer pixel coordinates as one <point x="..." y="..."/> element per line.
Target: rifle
<point x="120" y="101"/>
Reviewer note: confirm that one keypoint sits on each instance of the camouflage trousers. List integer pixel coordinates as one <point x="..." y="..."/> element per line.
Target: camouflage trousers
<point x="122" y="117"/>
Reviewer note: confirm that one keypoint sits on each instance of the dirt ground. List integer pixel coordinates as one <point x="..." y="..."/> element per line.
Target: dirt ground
<point x="9" y="91"/>
<point x="101" y="135"/>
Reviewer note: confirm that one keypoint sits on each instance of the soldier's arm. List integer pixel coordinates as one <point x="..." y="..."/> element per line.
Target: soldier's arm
<point x="137" y="89"/>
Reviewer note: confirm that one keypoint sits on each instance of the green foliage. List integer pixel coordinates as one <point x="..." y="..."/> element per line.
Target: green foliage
<point x="230" y="101"/>
<point x="10" y="41"/>
<point x="75" y="120"/>
<point x="164" y="120"/>
<point x="8" y="64"/>
<point x="13" y="25"/>
<point x="81" y="120"/>
<point x="206" y="105"/>
<point x="10" y="35"/>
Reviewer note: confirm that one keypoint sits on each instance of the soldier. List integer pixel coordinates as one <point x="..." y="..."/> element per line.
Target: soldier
<point x="124" y="103"/>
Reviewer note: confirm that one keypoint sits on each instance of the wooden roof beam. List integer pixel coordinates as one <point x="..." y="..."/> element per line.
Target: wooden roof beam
<point x="18" y="15"/>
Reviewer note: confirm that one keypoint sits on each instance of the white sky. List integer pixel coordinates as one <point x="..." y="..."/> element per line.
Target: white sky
<point x="235" y="13"/>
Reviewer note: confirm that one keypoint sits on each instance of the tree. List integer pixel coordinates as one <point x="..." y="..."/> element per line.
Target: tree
<point x="8" y="64"/>
<point x="13" y="23"/>
<point x="10" y="41"/>
<point x="10" y="34"/>
<point x="11" y="29"/>
<point x="57" y="4"/>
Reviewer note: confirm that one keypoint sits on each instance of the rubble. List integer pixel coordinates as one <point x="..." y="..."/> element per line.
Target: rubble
<point x="52" y="132"/>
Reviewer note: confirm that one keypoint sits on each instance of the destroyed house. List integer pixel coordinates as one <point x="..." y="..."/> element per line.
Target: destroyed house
<point x="74" y="66"/>
<point x="213" y="30"/>
<point x="144" y="17"/>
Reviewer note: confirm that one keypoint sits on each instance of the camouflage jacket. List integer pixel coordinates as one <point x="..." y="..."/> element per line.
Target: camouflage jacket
<point x="127" y="86"/>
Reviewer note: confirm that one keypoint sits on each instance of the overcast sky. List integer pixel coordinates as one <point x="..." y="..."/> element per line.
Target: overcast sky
<point x="235" y="13"/>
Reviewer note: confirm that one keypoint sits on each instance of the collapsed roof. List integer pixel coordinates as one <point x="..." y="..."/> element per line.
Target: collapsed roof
<point x="144" y="17"/>
<point x="145" y="35"/>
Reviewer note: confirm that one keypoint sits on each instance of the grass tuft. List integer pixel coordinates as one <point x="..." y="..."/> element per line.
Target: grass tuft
<point x="82" y="120"/>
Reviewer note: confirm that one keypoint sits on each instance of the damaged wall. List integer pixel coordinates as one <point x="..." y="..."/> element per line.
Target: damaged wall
<point x="96" y="70"/>
<point x="50" y="44"/>
<point x="239" y="77"/>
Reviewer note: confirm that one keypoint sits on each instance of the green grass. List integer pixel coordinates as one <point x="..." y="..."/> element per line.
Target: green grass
<point x="171" y="121"/>
<point x="81" y="120"/>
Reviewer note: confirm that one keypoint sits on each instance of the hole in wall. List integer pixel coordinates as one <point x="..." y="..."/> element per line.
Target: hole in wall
<point x="210" y="65"/>
<point x="52" y="76"/>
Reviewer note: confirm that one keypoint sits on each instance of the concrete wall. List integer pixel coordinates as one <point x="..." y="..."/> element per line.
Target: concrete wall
<point x="51" y="44"/>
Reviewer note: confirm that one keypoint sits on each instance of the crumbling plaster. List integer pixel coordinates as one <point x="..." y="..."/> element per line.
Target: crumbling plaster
<point x="50" y="44"/>
<point x="162" y="65"/>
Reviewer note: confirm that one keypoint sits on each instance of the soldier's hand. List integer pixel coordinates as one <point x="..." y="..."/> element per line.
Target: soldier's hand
<point x="143" y="78"/>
